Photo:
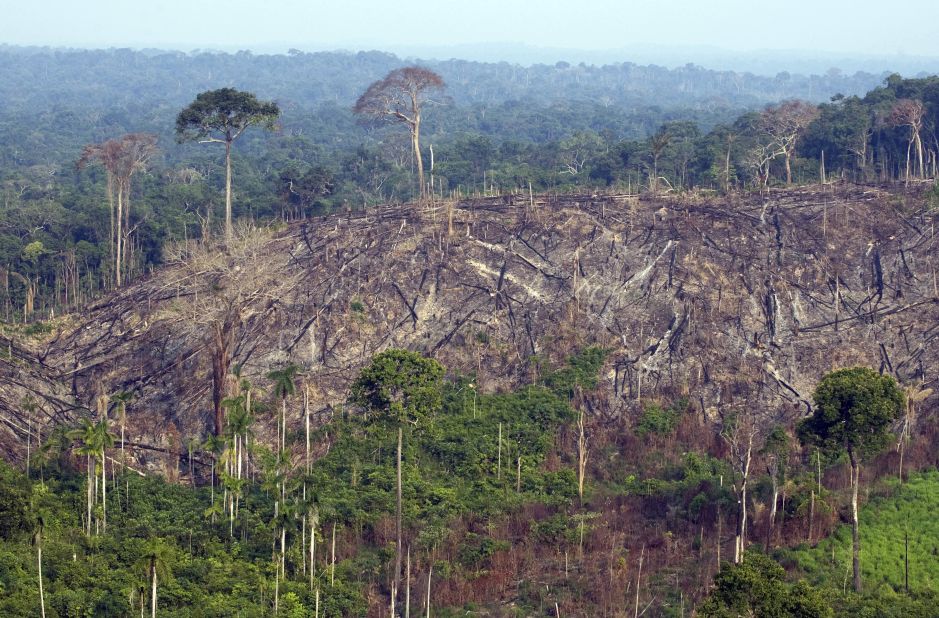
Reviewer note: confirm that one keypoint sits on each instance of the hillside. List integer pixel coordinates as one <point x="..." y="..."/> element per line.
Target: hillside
<point x="739" y="302"/>
<point x="703" y="307"/>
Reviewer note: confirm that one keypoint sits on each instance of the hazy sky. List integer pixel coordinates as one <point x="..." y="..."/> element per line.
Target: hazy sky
<point x="847" y="26"/>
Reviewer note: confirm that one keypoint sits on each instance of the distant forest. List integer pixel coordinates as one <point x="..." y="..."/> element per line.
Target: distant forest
<point x="499" y="128"/>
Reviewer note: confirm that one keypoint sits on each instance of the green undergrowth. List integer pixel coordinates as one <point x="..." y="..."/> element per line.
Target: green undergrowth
<point x="906" y="512"/>
<point x="454" y="467"/>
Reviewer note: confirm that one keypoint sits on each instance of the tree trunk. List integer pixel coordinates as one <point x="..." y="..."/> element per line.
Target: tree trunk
<point x="104" y="493"/>
<point x="111" y="212"/>
<point x="228" y="228"/>
<point x="581" y="455"/>
<point x="855" y="525"/>
<point x="727" y="171"/>
<point x="332" y="570"/>
<point x="312" y="551"/>
<point x="416" y="144"/>
<point x="919" y="155"/>
<point x="221" y="359"/>
<point x="88" y="493"/>
<point x="788" y="168"/>
<point x="119" y="249"/>
<point x="430" y="574"/>
<point x="126" y="259"/>
<point x="909" y="147"/>
<point x="407" y="587"/>
<point x="772" y="513"/>
<point x="397" y="573"/>
<point x="306" y="414"/>
<point x="42" y="598"/>
<point x="153" y="586"/>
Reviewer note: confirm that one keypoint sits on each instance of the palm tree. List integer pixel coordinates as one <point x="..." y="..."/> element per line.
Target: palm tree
<point x="191" y="445"/>
<point x="212" y="511"/>
<point x="52" y="449"/>
<point x="214" y="445"/>
<point x="284" y="518"/>
<point x="84" y="438"/>
<point x="233" y="487"/>
<point x="239" y="424"/>
<point x="155" y="562"/>
<point x="284" y="387"/>
<point x="122" y="399"/>
<point x="103" y="440"/>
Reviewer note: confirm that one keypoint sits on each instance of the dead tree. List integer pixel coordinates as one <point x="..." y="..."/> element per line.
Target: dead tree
<point x="225" y="291"/>
<point x="741" y="432"/>
<point x="785" y="124"/>
<point x="909" y="113"/>
<point x="121" y="158"/>
<point x="400" y="97"/>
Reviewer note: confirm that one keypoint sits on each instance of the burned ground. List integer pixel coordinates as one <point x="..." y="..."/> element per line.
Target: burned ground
<point x="738" y="303"/>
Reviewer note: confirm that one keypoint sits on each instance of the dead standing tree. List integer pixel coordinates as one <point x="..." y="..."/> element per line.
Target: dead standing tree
<point x="121" y="158"/>
<point x="400" y="97"/>
<point x="741" y="431"/>
<point x="226" y="292"/>
<point x="909" y="113"/>
<point x="785" y="124"/>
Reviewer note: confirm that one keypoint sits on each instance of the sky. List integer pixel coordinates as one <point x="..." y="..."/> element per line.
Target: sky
<point x="841" y="26"/>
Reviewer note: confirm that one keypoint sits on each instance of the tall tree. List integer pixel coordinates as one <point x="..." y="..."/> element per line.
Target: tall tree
<point x="221" y="116"/>
<point x="399" y="388"/>
<point x="84" y="437"/>
<point x="775" y="454"/>
<point x="121" y="400"/>
<point x="37" y="542"/>
<point x="854" y="409"/>
<point x="155" y="562"/>
<point x="284" y="387"/>
<point x="741" y="432"/>
<point x="400" y="97"/>
<point x="121" y="158"/>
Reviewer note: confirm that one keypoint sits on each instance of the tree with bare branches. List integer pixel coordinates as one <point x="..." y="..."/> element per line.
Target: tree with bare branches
<point x="221" y="116"/>
<point x="785" y="124"/>
<point x="400" y="97"/>
<point x="909" y="113"/>
<point x="121" y="158"/>
<point x="741" y="432"/>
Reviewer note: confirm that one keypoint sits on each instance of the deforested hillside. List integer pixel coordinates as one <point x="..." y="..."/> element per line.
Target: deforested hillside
<point x="732" y="302"/>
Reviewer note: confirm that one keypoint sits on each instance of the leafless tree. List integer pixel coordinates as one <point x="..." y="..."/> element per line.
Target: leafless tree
<point x="785" y="124"/>
<point x="909" y="113"/>
<point x="400" y="97"/>
<point x="225" y="293"/>
<point x="121" y="158"/>
<point x="741" y="432"/>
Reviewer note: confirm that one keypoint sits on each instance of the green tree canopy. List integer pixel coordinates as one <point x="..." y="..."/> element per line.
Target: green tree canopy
<point x="399" y="386"/>
<point x="756" y="587"/>
<point x="222" y="116"/>
<point x="853" y="412"/>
